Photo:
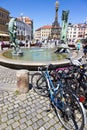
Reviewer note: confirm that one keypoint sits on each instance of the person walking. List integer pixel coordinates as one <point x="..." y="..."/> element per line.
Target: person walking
<point x="78" y="45"/>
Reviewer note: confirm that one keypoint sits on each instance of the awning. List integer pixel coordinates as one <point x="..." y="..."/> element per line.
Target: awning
<point x="4" y="35"/>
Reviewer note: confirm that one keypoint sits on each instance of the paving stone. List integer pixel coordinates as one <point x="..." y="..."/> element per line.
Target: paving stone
<point x="22" y="111"/>
<point x="50" y="115"/>
<point x="29" y="116"/>
<point x="30" y="128"/>
<point x="58" y="126"/>
<point x="42" y="128"/>
<point x="39" y="116"/>
<point x="17" y="118"/>
<point x="15" y="124"/>
<point x="29" y="122"/>
<point x="52" y="128"/>
<point x="22" y="115"/>
<point x="27" y="111"/>
<point x="34" y="119"/>
<point x="35" y="126"/>
<point x="17" y="128"/>
<point x="11" y="121"/>
<point x="47" y="125"/>
<point x="4" y="119"/>
<point x="10" y="116"/>
<point x="46" y="119"/>
<point x="8" y="128"/>
<point x="10" y="111"/>
<point x="3" y="126"/>
<point x="23" y="126"/>
<point x="40" y="122"/>
<point x="52" y="122"/>
<point x="22" y="120"/>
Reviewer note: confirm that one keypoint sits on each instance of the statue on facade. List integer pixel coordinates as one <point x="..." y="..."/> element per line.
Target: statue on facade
<point x="12" y="28"/>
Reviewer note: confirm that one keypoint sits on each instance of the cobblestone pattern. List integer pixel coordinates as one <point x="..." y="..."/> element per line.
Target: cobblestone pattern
<point x="25" y="111"/>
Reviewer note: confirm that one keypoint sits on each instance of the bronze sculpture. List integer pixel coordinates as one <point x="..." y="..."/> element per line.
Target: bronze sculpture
<point x="64" y="25"/>
<point x="12" y="28"/>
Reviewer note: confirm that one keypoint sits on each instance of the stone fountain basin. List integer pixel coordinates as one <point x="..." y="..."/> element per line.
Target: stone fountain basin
<point x="32" y="65"/>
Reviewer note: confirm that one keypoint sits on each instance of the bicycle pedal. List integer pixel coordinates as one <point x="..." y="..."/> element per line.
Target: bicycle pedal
<point x="48" y="110"/>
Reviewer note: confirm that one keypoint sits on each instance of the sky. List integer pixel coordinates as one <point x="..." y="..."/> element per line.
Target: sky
<point x="42" y="12"/>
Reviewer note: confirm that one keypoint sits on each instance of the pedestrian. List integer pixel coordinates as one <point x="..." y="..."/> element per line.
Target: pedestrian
<point x="2" y="45"/>
<point x="78" y="45"/>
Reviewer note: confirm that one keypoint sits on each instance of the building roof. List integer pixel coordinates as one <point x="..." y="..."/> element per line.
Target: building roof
<point x="25" y="19"/>
<point x="44" y="27"/>
<point x="4" y="10"/>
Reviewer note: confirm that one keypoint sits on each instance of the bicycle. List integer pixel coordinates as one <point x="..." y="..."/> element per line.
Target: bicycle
<point x="81" y="78"/>
<point x="78" y="81"/>
<point x="66" y="104"/>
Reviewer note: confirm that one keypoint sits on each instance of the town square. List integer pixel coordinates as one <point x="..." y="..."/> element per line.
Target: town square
<point x="43" y="66"/>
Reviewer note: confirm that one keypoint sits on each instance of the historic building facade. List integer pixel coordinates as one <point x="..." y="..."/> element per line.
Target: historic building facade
<point x="77" y="31"/>
<point x="29" y="22"/>
<point x="4" y="19"/>
<point x="43" y="33"/>
<point x="23" y="31"/>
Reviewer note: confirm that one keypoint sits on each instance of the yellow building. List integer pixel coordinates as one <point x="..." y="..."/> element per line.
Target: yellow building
<point x="43" y="33"/>
<point x="4" y="20"/>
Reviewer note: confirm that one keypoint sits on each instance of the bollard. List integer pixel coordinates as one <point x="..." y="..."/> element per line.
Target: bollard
<point x="23" y="81"/>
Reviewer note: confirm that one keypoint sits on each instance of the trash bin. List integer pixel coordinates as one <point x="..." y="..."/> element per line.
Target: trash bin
<point x="23" y="81"/>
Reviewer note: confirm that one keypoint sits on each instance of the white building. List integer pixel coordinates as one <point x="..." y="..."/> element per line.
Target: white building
<point x="76" y="31"/>
<point x="23" y="31"/>
<point x="27" y="21"/>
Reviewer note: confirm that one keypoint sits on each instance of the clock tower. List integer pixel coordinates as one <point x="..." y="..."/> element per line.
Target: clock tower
<point x="56" y="29"/>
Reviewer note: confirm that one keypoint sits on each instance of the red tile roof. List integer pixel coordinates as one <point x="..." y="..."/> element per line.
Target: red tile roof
<point x="46" y="26"/>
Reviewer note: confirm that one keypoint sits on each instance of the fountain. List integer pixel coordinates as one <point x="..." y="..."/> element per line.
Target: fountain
<point x="31" y="58"/>
<point x="63" y="47"/>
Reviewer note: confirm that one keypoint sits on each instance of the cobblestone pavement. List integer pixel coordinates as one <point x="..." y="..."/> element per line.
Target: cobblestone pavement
<point x="25" y="111"/>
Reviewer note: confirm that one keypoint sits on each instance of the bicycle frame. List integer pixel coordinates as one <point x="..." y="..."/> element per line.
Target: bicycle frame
<point x="53" y="91"/>
<point x="62" y="99"/>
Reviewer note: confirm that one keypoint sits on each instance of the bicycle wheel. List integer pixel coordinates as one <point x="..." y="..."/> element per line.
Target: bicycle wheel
<point x="71" y="113"/>
<point x="39" y="84"/>
<point x="83" y="88"/>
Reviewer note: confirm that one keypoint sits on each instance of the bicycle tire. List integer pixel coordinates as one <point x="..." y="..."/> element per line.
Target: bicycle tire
<point x="72" y="116"/>
<point x="39" y="84"/>
<point x="83" y="88"/>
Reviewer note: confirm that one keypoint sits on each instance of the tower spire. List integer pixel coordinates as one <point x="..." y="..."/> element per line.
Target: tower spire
<point x="55" y="31"/>
<point x="56" y="11"/>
